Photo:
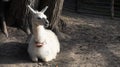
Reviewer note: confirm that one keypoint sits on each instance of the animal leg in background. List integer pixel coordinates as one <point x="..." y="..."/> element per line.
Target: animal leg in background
<point x="2" y="16"/>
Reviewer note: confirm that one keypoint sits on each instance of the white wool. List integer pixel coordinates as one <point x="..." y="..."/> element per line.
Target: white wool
<point x="49" y="50"/>
<point x="51" y="46"/>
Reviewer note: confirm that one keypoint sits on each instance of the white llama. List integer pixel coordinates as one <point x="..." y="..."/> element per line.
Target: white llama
<point x="44" y="43"/>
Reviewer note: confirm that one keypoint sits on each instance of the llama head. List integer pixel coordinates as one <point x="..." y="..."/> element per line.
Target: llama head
<point x="39" y="18"/>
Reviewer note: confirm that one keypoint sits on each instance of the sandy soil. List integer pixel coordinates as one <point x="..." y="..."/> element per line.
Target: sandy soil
<point x="94" y="42"/>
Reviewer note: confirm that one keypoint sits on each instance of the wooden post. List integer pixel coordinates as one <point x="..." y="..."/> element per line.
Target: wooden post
<point x="112" y="9"/>
<point x="76" y="6"/>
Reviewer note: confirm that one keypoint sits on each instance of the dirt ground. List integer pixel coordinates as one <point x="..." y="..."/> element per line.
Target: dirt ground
<point x="94" y="42"/>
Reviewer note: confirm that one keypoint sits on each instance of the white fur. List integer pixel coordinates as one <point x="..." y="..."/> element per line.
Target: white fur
<point x="48" y="51"/>
<point x="51" y="45"/>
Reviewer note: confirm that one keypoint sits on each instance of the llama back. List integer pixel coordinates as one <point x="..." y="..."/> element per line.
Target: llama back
<point x="52" y="39"/>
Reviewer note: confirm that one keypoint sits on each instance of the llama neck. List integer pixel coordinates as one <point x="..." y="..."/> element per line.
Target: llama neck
<point x="40" y="33"/>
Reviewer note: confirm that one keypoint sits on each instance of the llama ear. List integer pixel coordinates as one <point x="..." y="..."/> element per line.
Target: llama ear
<point x="47" y="22"/>
<point x="31" y="9"/>
<point x="44" y="9"/>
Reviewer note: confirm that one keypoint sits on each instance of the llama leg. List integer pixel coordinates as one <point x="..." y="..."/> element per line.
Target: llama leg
<point x="58" y="50"/>
<point x="54" y="56"/>
<point x="58" y="47"/>
<point x="5" y="28"/>
<point x="2" y="16"/>
<point x="34" y="59"/>
<point x="49" y="58"/>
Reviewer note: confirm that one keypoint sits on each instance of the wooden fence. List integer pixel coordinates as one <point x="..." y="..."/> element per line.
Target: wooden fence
<point x="97" y="7"/>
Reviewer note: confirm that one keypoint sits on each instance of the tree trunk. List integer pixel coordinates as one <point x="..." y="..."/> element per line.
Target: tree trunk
<point x="53" y="12"/>
<point x="20" y="17"/>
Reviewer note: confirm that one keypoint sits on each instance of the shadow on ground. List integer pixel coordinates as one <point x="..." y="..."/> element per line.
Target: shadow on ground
<point x="13" y="52"/>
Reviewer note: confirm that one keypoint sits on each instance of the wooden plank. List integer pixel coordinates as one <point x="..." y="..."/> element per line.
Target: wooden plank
<point x="112" y="9"/>
<point x="97" y="10"/>
<point x="69" y="5"/>
<point x="94" y="6"/>
<point x="93" y="12"/>
<point x="117" y="13"/>
<point x="99" y="7"/>
<point x="96" y="1"/>
<point x="117" y="8"/>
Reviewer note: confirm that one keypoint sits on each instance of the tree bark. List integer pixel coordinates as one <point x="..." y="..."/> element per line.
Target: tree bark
<point x="20" y="17"/>
<point x="53" y="12"/>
